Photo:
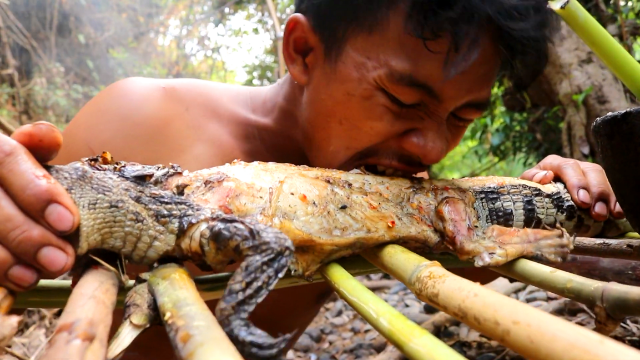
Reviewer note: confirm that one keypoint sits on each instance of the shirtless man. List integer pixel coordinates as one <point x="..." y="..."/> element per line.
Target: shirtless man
<point x="370" y="82"/>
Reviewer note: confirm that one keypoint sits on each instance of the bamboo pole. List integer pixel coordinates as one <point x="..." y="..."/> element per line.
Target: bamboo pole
<point x="414" y="341"/>
<point x="530" y="332"/>
<point x="194" y="332"/>
<point x="617" y="300"/>
<point x="612" y="54"/>
<point x="83" y="327"/>
<point x="54" y="293"/>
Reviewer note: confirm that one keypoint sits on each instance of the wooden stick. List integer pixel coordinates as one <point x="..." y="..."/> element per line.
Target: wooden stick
<point x="609" y="248"/>
<point x="83" y="327"/>
<point x="530" y="332"/>
<point x="194" y="332"/>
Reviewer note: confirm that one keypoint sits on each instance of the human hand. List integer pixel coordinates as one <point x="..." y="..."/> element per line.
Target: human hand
<point x="34" y="209"/>
<point x="587" y="183"/>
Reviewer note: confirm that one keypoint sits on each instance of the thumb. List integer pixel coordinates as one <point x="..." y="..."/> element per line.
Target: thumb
<point x="42" y="139"/>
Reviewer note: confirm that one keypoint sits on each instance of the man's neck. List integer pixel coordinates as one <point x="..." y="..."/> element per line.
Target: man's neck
<point x="275" y="133"/>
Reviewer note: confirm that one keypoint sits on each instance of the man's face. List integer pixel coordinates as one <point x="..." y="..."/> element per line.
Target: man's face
<point x="389" y="101"/>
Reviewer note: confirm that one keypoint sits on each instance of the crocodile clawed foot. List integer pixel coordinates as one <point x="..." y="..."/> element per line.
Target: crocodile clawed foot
<point x="500" y="245"/>
<point x="267" y="253"/>
<point x="254" y="343"/>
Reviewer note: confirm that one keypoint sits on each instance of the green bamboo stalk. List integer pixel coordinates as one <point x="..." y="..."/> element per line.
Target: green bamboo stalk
<point x="529" y="331"/>
<point x="50" y="294"/>
<point x="605" y="46"/>
<point x="410" y="338"/>
<point x="618" y="300"/>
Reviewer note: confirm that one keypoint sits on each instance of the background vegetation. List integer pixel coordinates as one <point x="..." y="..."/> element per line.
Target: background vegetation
<point x="56" y="54"/>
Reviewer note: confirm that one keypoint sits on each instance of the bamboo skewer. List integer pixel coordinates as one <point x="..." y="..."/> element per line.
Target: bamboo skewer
<point x="54" y="293"/>
<point x="612" y="54"/>
<point x="83" y="327"/>
<point x="194" y="332"/>
<point x="531" y="332"/>
<point x="610" y="301"/>
<point x="414" y="341"/>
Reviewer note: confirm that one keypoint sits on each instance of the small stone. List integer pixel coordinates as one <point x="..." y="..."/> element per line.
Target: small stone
<point x="333" y="338"/>
<point x="397" y="288"/>
<point x="392" y="298"/>
<point x="449" y="333"/>
<point x="367" y="327"/>
<point x="326" y="357"/>
<point x="304" y="344"/>
<point x="357" y="326"/>
<point x="339" y="321"/>
<point x="370" y="336"/>
<point x="337" y="309"/>
<point x="415" y="315"/>
<point x="344" y="357"/>
<point x="429" y="309"/>
<point x="412" y="303"/>
<point x="326" y="329"/>
<point x="536" y="296"/>
<point x="379" y="344"/>
<point x="347" y="335"/>
<point x="315" y="334"/>
<point x="364" y="353"/>
<point x="313" y="357"/>
<point x="487" y="356"/>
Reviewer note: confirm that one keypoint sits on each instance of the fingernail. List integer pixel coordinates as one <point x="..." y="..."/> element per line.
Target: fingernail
<point x="583" y="195"/>
<point x="59" y="218"/>
<point x="539" y="176"/>
<point x="44" y="123"/>
<point x="617" y="208"/>
<point x="22" y="275"/>
<point x="52" y="259"/>
<point x="600" y="208"/>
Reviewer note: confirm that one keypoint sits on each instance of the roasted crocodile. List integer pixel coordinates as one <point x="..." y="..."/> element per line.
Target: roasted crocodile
<point x="273" y="217"/>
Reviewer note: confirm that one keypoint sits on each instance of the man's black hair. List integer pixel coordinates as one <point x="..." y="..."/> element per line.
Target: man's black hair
<point x="522" y="28"/>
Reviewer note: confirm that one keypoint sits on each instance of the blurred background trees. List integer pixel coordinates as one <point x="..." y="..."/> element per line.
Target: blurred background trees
<point x="57" y="54"/>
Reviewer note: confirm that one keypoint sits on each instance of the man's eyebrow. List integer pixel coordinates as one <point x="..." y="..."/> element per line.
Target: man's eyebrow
<point x="407" y="79"/>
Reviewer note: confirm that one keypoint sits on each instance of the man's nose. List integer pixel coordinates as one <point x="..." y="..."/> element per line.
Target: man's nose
<point x="429" y="145"/>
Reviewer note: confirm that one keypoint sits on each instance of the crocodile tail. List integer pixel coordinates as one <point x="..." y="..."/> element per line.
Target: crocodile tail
<point x="526" y="206"/>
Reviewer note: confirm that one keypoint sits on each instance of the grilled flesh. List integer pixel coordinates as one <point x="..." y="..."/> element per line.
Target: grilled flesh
<point x="273" y="217"/>
<point x="326" y="213"/>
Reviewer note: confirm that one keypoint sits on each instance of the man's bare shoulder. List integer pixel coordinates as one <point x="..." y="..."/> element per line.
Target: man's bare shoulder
<point x="148" y="120"/>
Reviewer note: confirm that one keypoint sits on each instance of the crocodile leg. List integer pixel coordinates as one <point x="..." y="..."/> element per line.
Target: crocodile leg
<point x="496" y="244"/>
<point x="267" y="253"/>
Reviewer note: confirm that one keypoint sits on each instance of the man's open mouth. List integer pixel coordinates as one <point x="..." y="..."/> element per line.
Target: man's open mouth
<point x="382" y="170"/>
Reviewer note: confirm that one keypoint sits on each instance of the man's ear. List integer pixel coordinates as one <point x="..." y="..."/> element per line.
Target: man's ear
<point x="301" y="48"/>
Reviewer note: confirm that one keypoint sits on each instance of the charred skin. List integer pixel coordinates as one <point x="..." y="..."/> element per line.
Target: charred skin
<point x="257" y="212"/>
<point x="122" y="211"/>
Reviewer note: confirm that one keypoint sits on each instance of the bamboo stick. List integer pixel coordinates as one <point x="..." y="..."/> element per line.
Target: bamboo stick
<point x="83" y="327"/>
<point x="194" y="332"/>
<point x="54" y="293"/>
<point x="530" y="332"/>
<point x="617" y="300"/>
<point x="414" y="341"/>
<point x="612" y="54"/>
<point x="140" y="313"/>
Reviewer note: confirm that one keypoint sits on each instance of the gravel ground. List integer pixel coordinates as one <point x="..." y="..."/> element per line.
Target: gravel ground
<point x="339" y="333"/>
